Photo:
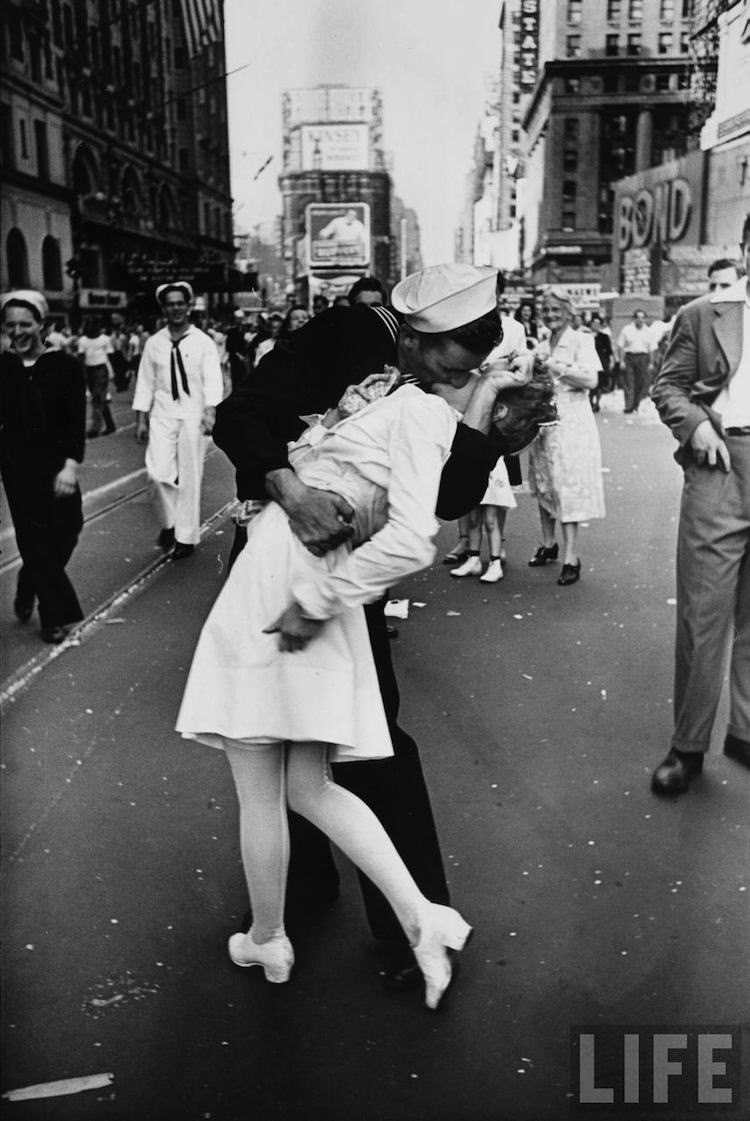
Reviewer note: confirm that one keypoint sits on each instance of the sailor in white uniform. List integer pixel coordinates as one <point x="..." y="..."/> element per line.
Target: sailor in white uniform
<point x="178" y="388"/>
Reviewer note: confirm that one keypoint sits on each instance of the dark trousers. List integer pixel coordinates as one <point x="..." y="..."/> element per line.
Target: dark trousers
<point x="97" y="381"/>
<point x="47" y="529"/>
<point x="635" y="380"/>
<point x="395" y="791"/>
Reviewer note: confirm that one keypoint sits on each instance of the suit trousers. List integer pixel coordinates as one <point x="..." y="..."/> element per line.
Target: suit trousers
<point x="394" y="789"/>
<point x="713" y="599"/>
<point x="635" y="380"/>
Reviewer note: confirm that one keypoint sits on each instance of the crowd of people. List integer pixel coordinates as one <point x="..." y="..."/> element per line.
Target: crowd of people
<point x="351" y="433"/>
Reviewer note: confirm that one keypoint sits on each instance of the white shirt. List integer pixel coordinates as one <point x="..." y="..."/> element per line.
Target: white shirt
<point x="95" y="351"/>
<point x="733" y="402"/>
<point x="200" y="359"/>
<point x="635" y="340"/>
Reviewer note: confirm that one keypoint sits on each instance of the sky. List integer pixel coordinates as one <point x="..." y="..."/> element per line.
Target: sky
<point x="429" y="58"/>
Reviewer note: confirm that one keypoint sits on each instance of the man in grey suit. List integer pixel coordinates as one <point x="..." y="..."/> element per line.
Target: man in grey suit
<point x="703" y="394"/>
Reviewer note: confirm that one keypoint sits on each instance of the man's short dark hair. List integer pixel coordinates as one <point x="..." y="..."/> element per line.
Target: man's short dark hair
<point x="746" y="229"/>
<point x="478" y="337"/>
<point x="723" y="263"/>
<point x="366" y="284"/>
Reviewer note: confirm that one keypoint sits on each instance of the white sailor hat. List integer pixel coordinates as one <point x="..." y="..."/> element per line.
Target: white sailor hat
<point x="175" y="286"/>
<point x="30" y="298"/>
<point x="444" y="297"/>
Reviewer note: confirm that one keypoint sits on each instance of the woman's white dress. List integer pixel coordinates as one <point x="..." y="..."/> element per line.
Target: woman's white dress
<point x="386" y="461"/>
<point x="565" y="460"/>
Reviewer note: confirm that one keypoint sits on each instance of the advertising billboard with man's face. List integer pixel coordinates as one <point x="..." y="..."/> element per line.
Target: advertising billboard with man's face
<point x="338" y="235"/>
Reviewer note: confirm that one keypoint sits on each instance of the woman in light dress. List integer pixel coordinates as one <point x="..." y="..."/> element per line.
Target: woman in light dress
<point x="565" y="465"/>
<point x="283" y="678"/>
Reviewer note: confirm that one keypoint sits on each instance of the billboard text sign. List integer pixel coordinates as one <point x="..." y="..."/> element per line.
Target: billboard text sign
<point x="338" y="235"/>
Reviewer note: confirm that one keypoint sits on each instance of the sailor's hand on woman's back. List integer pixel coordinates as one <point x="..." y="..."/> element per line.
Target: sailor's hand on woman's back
<point x="319" y="518"/>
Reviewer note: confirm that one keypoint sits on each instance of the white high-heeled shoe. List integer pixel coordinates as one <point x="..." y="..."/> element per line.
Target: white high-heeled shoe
<point x="276" y="956"/>
<point x="440" y="929"/>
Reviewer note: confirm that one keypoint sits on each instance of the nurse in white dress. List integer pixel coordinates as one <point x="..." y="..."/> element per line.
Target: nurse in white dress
<point x="283" y="678"/>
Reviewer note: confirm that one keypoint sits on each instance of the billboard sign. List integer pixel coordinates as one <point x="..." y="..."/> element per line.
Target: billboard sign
<point x="338" y="235"/>
<point x="335" y="147"/>
<point x="529" y="52"/>
<point x="330" y="103"/>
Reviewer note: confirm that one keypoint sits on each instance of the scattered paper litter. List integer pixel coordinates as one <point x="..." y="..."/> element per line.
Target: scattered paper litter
<point x="60" y="1088"/>
<point x="453" y="613"/>
<point x="416" y="603"/>
<point x="397" y="609"/>
<point x="111" y="621"/>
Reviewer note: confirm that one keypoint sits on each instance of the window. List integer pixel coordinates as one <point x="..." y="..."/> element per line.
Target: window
<point x="68" y="27"/>
<point x="614" y="10"/>
<point x="612" y="45"/>
<point x="206" y="219"/>
<point x="15" y="34"/>
<point x="42" y="150"/>
<point x="180" y="58"/>
<point x="6" y="136"/>
<point x="570" y="160"/>
<point x="574" y="11"/>
<point x="666" y="9"/>
<point x="684" y="42"/>
<point x="688" y="9"/>
<point x="573" y="85"/>
<point x="57" y="38"/>
<point x="571" y="128"/>
<point x="49" y="72"/>
<point x="663" y="83"/>
<point x="51" y="264"/>
<point x="18" y="259"/>
<point x="184" y="159"/>
<point x="634" y="43"/>
<point x="181" y="110"/>
<point x="665" y="42"/>
<point x="35" y="59"/>
<point x="85" y="99"/>
<point x="573" y="46"/>
<point x="24" y="139"/>
<point x="635" y="9"/>
<point x="569" y="204"/>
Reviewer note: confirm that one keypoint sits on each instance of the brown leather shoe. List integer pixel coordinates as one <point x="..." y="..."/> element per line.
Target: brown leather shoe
<point x="675" y="774"/>
<point x="737" y="749"/>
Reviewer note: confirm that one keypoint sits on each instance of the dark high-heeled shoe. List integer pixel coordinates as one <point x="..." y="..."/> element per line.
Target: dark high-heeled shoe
<point x="569" y="574"/>
<point x="543" y="554"/>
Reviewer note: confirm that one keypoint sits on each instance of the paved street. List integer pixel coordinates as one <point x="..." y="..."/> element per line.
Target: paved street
<point x="540" y="712"/>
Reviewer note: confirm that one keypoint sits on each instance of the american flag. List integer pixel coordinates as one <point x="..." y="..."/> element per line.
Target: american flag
<point x="202" y="22"/>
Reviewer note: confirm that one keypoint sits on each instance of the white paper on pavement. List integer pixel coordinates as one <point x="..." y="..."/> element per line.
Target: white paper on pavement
<point x="59" y="1088"/>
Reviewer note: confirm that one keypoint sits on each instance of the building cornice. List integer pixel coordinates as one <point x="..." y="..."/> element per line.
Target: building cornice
<point x="585" y="67"/>
<point x="45" y="188"/>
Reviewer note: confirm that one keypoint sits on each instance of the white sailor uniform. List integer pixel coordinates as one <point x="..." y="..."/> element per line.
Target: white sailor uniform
<point x="176" y="382"/>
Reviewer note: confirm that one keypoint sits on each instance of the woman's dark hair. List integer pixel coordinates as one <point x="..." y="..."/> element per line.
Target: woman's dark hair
<point x="478" y="337"/>
<point x="366" y="284"/>
<point x="521" y="410"/>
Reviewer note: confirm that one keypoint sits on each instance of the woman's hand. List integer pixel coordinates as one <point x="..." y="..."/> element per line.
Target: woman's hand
<point x="294" y="629"/>
<point x="66" y="480"/>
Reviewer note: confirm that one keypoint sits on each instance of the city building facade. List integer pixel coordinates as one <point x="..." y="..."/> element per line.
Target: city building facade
<point x="612" y="98"/>
<point x="115" y="164"/>
<point x="335" y="179"/>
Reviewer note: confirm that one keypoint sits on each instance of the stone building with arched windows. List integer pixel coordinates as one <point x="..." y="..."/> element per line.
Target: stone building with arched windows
<point x="114" y="159"/>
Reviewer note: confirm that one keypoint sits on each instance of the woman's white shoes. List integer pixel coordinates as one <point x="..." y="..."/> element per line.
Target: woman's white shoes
<point x="493" y="572"/>
<point x="440" y="930"/>
<point x="276" y="957"/>
<point x="472" y="566"/>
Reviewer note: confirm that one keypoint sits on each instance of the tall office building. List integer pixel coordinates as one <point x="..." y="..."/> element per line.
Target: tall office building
<point x="115" y="165"/>
<point x="612" y="98"/>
